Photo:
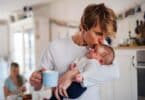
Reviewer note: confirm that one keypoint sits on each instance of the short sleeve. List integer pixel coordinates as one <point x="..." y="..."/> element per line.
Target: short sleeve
<point x="6" y="84"/>
<point x="46" y="59"/>
<point x="10" y="86"/>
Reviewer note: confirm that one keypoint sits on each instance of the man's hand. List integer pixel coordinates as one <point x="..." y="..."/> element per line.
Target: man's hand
<point x="36" y="79"/>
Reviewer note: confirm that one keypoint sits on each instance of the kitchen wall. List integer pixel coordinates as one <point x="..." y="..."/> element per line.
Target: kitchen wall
<point x="41" y="36"/>
<point x="128" y="24"/>
<point x="71" y="11"/>
<point x="68" y="10"/>
<point x="4" y="40"/>
<point x="4" y="52"/>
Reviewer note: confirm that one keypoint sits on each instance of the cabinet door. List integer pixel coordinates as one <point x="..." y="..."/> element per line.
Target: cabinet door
<point x="107" y="91"/>
<point x="126" y="87"/>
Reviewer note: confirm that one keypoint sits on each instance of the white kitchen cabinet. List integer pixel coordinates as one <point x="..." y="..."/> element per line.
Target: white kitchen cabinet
<point x="125" y="88"/>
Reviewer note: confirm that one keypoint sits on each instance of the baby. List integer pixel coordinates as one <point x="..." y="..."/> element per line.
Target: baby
<point x="100" y="55"/>
<point x="87" y="66"/>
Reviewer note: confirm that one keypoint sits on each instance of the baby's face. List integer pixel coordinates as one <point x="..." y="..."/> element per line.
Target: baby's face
<point x="97" y="53"/>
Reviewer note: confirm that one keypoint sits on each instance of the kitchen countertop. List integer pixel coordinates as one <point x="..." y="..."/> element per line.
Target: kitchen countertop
<point x="130" y="47"/>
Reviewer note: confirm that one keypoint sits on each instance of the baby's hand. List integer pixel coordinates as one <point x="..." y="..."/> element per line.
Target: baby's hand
<point x="22" y="89"/>
<point x="79" y="78"/>
<point x="72" y="66"/>
<point x="91" y="54"/>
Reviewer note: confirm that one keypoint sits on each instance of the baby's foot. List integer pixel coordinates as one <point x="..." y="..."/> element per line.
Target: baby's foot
<point x="79" y="78"/>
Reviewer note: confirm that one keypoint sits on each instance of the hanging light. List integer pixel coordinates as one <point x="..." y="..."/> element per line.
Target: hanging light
<point x="27" y="11"/>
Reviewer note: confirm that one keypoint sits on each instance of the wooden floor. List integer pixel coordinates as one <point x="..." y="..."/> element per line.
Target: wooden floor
<point x="141" y="98"/>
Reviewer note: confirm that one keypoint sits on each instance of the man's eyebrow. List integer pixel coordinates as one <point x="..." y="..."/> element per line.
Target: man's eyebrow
<point x="93" y="46"/>
<point x="99" y="33"/>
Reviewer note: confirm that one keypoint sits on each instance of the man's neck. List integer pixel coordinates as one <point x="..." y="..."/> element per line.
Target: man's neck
<point x="78" y="39"/>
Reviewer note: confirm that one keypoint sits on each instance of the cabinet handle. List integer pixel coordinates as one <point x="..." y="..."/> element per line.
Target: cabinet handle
<point x="133" y="61"/>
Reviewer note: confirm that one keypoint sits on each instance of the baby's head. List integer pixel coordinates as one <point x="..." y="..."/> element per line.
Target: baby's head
<point x="103" y="53"/>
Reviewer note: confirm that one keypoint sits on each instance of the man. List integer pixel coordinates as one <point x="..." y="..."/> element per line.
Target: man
<point x="97" y="22"/>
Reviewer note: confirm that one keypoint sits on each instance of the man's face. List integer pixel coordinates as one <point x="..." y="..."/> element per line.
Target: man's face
<point x="93" y="36"/>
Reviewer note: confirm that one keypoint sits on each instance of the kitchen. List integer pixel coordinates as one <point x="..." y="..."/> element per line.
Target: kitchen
<point x="49" y="20"/>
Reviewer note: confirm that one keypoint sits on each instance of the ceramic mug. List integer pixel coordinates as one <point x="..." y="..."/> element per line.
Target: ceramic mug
<point x="50" y="78"/>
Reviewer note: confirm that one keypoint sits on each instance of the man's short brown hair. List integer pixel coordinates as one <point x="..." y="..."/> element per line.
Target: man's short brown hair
<point x="99" y="14"/>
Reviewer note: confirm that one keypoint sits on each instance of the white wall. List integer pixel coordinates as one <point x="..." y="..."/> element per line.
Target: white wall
<point x="128" y="23"/>
<point x="4" y="51"/>
<point x="68" y="10"/>
<point x="41" y="36"/>
<point x="4" y="40"/>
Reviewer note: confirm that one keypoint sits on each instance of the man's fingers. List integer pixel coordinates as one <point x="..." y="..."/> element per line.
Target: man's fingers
<point x="61" y="91"/>
<point x="35" y="80"/>
<point x="65" y="93"/>
<point x="56" y="94"/>
<point x="42" y="69"/>
<point x="34" y="84"/>
<point x="37" y="75"/>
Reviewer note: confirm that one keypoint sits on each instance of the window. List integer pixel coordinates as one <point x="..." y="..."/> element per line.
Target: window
<point x="24" y="51"/>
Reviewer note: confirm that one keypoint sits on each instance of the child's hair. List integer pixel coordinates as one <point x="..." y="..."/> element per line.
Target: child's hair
<point x="19" y="77"/>
<point x="14" y="65"/>
<point x="111" y="55"/>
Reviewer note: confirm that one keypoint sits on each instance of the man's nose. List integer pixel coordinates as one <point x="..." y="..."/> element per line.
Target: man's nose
<point x="93" y="46"/>
<point x="91" y="50"/>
